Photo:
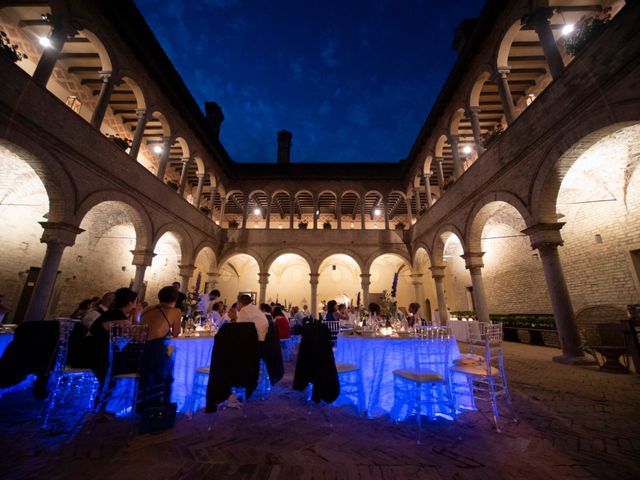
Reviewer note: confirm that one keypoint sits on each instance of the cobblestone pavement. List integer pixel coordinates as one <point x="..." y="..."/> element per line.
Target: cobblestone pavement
<point x="564" y="422"/>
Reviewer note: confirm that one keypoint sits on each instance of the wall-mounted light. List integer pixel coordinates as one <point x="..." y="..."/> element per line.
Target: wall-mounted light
<point x="377" y="211"/>
<point x="257" y="211"/>
<point x="568" y="29"/>
<point x="467" y="149"/>
<point x="45" y="42"/>
<point x="317" y="212"/>
<point x="157" y="149"/>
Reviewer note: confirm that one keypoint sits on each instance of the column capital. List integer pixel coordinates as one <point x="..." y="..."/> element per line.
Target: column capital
<point x="105" y="75"/>
<point x="186" y="270"/>
<point x="142" y="258"/>
<point x="59" y="233"/>
<point x="537" y="17"/>
<point x="500" y="73"/>
<point x="545" y="236"/>
<point x="473" y="260"/>
<point x="200" y="175"/>
<point x="141" y="113"/>
<point x="213" y="276"/>
<point x="263" y="278"/>
<point x="185" y="160"/>
<point x="472" y="110"/>
<point x="438" y="159"/>
<point x="417" y="278"/>
<point x="313" y="278"/>
<point x="437" y="272"/>
<point x="453" y="138"/>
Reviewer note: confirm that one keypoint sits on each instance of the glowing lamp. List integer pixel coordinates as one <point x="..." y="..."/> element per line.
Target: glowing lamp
<point x="567" y="29"/>
<point x="44" y="41"/>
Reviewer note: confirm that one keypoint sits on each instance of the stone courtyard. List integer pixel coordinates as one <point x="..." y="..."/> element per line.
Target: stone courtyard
<point x="564" y="422"/>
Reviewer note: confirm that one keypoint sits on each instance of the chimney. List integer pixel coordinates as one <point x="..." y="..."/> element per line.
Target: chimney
<point x="284" y="146"/>
<point x="214" y="116"/>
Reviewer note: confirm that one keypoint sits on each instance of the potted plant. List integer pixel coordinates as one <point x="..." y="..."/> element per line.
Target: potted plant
<point x="8" y="51"/>
<point x="492" y="135"/>
<point x="400" y="226"/>
<point x="586" y="30"/>
<point x="123" y="143"/>
<point x="303" y="225"/>
<point x="233" y="224"/>
<point x="326" y="225"/>
<point x="172" y="185"/>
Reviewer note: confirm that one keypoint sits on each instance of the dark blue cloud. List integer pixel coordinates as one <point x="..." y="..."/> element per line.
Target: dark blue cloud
<point x="353" y="81"/>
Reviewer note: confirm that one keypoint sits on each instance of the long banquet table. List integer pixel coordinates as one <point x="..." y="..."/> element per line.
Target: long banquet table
<point x="377" y="357"/>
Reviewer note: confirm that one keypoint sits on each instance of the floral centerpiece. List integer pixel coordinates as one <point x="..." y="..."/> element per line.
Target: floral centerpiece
<point x="191" y="315"/>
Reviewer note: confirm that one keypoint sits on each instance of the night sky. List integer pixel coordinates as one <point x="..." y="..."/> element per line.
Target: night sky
<point x="353" y="80"/>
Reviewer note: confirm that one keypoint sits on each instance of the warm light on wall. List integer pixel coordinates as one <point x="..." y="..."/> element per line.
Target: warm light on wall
<point x="157" y="149"/>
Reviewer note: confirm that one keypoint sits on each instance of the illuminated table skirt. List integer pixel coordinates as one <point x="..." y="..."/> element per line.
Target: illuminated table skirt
<point x="377" y="358"/>
<point x="5" y="339"/>
<point x="191" y="353"/>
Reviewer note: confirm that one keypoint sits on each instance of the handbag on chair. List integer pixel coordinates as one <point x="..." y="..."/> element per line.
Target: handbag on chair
<point x="158" y="419"/>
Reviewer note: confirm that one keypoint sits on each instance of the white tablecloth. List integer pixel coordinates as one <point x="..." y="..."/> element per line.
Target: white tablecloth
<point x="191" y="353"/>
<point x="377" y="358"/>
<point x="460" y="329"/>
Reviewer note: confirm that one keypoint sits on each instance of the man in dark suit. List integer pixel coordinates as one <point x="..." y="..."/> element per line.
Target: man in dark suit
<point x="181" y="296"/>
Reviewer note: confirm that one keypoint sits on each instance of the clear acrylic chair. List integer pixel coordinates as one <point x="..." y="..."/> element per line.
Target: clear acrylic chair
<point x="126" y="344"/>
<point x="428" y="384"/>
<point x="198" y="390"/>
<point x="74" y="389"/>
<point x="334" y="328"/>
<point x="350" y="377"/>
<point x="486" y="379"/>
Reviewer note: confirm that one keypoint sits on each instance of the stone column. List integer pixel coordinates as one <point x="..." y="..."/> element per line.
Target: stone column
<point x="50" y="56"/>
<point x="339" y="212"/>
<point x="473" y="262"/>
<point x="363" y="218"/>
<point x="474" y="115"/>
<point x="385" y="206"/>
<point x="365" y="282"/>
<point x="416" y="193"/>
<point x="183" y="175"/>
<point x="316" y="206"/>
<point x="268" y="216"/>
<point x="198" y="197"/>
<point x="164" y="157"/>
<point x="292" y="206"/>
<point x="313" y="280"/>
<point x="440" y="173"/>
<point x="539" y="20"/>
<point x="458" y="168"/>
<point x="427" y="188"/>
<point x="212" y="199"/>
<point x="505" y="93"/>
<point x="141" y="260"/>
<point x="223" y="204"/>
<point x="416" y="279"/>
<point x="263" y="280"/>
<point x="245" y="209"/>
<point x="57" y="236"/>
<point x="545" y="237"/>
<point x="438" y="277"/>
<point x="138" y="134"/>
<point x="186" y="272"/>
<point x="103" y="100"/>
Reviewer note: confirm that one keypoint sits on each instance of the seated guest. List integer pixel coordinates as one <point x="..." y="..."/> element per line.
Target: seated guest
<point x="284" y="330"/>
<point x="123" y="307"/>
<point x="266" y="309"/>
<point x="353" y="314"/>
<point x="156" y="366"/>
<point x="232" y="314"/>
<point x="332" y="311"/>
<point x="343" y="316"/>
<point x="414" y="317"/>
<point x="181" y="296"/>
<point x="248" y="312"/>
<point x="217" y="312"/>
<point x="205" y="304"/>
<point x="83" y="307"/>
<point x="103" y="305"/>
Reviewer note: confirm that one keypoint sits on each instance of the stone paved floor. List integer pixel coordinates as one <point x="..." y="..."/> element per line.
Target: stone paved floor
<point x="565" y="422"/>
